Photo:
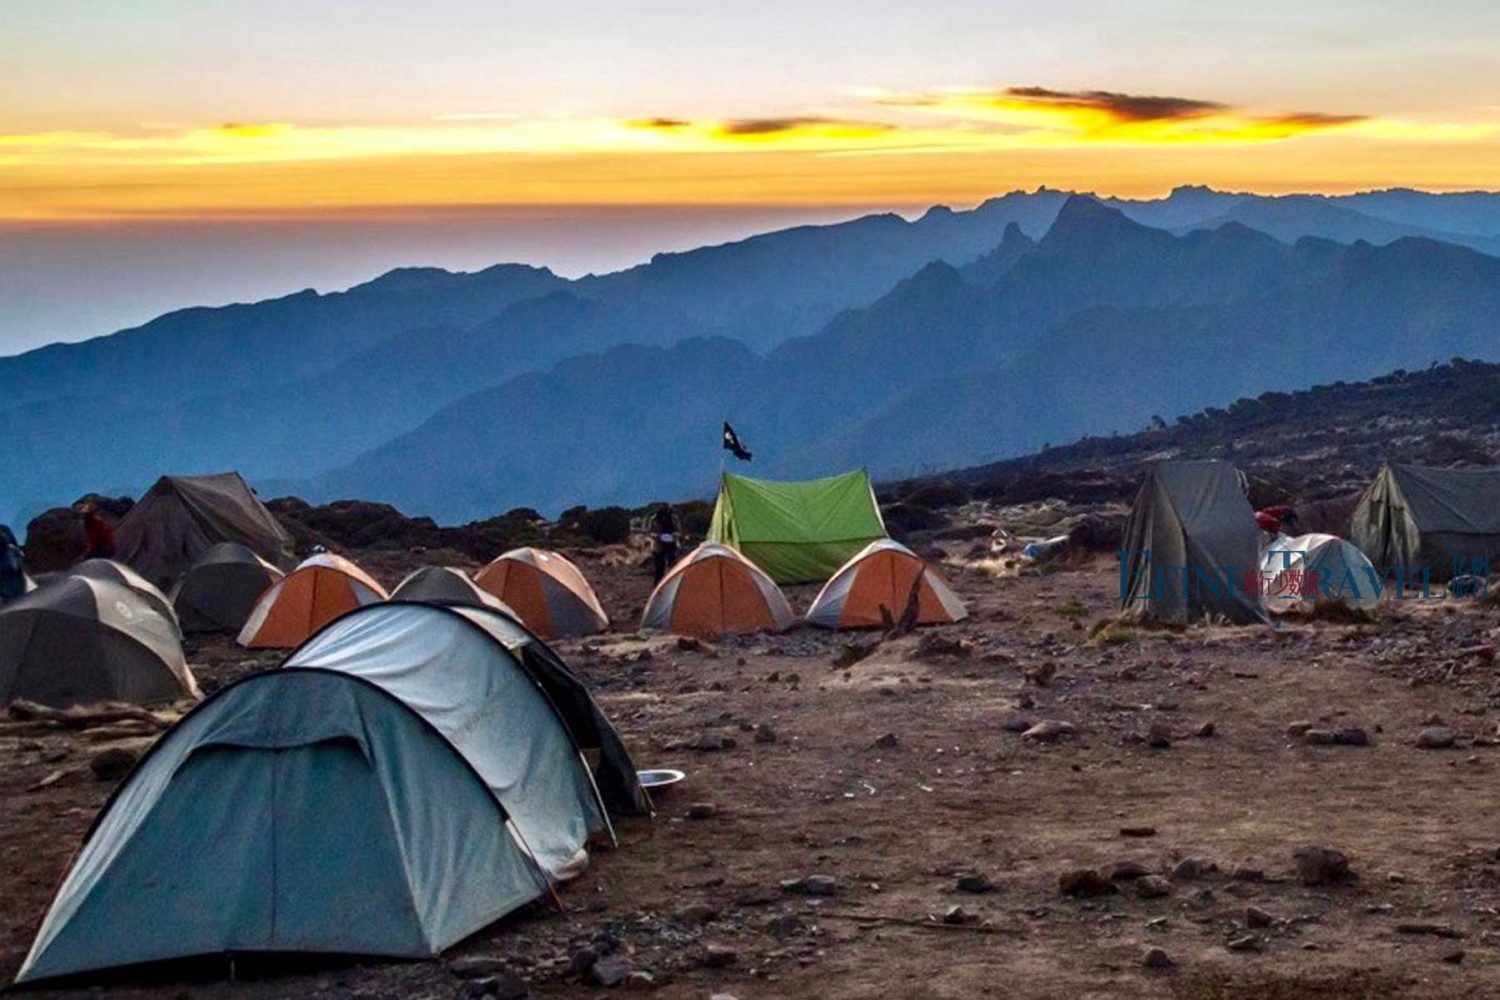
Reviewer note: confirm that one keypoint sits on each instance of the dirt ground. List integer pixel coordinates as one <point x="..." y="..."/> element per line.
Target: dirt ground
<point x="907" y="768"/>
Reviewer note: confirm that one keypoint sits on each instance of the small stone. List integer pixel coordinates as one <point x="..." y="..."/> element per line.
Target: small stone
<point x="1246" y="873"/>
<point x="958" y="915"/>
<point x="1193" y="868"/>
<point x="718" y="956"/>
<point x="1137" y="831"/>
<point x="1247" y="943"/>
<point x="1015" y="722"/>
<point x="1436" y="738"/>
<point x="702" y="810"/>
<point x="1319" y="737"/>
<point x="1321" y="865"/>
<point x="785" y="925"/>
<point x="889" y="741"/>
<point x="973" y="882"/>
<point x="1085" y="883"/>
<point x="1159" y="737"/>
<point x="1127" y="870"/>
<point x="1048" y="731"/>
<point x="1156" y="958"/>
<point x="1454" y="957"/>
<point x="1204" y="731"/>
<point x="1432" y="930"/>
<point x="812" y="885"/>
<point x="760" y="895"/>
<point x="610" y="970"/>
<point x="1297" y="730"/>
<point x="475" y="966"/>
<point x="582" y="962"/>
<point x="639" y="980"/>
<point x="1152" y="887"/>
<point x="711" y="742"/>
<point x="1256" y="917"/>
<point x="698" y="913"/>
<point x="765" y="734"/>
<point x="1351" y="736"/>
<point x="112" y="764"/>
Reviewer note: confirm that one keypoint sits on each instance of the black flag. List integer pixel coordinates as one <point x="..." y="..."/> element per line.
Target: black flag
<point x="733" y="446"/>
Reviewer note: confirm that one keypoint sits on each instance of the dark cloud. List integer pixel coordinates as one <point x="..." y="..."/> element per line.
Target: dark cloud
<point x="1313" y="119"/>
<point x="1123" y="107"/>
<point x="774" y="126"/>
<point x="661" y="123"/>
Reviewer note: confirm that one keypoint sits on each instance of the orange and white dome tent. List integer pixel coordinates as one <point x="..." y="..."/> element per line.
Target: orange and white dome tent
<point x="882" y="575"/>
<point x="547" y="590"/>
<point x="321" y="588"/>
<point x="716" y="591"/>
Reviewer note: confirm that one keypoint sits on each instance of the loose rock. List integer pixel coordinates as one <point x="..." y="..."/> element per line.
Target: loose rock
<point x="1156" y="958"/>
<point x="1048" y="731"/>
<point x="1436" y="738"/>
<point x="973" y="882"/>
<point x="1321" y="865"/>
<point x="113" y="763"/>
<point x="1085" y="883"/>
<point x="1152" y="887"/>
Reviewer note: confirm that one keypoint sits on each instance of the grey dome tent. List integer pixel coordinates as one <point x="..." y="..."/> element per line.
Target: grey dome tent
<point x="221" y="589"/>
<point x="293" y="811"/>
<point x="182" y="517"/>
<point x="113" y="572"/>
<point x="79" y="640"/>
<point x="451" y="666"/>
<point x="1443" y="521"/>
<point x="446" y="585"/>
<point x="1190" y="545"/>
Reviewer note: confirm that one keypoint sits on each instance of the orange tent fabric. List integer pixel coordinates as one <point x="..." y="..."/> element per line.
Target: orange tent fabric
<point x="716" y="591"/>
<point x="882" y="576"/>
<point x="547" y="590"/>
<point x="312" y="595"/>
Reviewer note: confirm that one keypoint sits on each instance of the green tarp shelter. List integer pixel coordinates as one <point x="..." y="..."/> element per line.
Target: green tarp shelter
<point x="1442" y="522"/>
<point x="798" y="532"/>
<point x="1189" y="544"/>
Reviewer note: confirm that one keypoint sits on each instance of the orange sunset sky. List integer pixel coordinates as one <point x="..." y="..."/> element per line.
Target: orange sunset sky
<point x="202" y="112"/>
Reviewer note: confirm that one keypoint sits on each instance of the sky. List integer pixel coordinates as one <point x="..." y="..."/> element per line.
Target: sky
<point x="161" y="153"/>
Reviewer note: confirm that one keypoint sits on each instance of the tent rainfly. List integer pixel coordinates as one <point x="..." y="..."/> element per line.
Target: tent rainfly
<point x="220" y="590"/>
<point x="293" y="811"/>
<point x="1298" y="572"/>
<point x="446" y="585"/>
<point x="113" y="572"/>
<point x="453" y="666"/>
<point x="320" y="589"/>
<point x="716" y="591"/>
<point x="1191" y="545"/>
<point x="182" y="517"/>
<point x="80" y="640"/>
<point x="547" y="590"/>
<point x="1442" y="522"/>
<point x="798" y="532"/>
<point x="872" y="590"/>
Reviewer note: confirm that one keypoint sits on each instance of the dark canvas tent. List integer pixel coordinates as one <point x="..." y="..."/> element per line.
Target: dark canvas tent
<point x="798" y="532"/>
<point x="1191" y="545"/>
<point x="1444" y="521"/>
<point x="446" y="585"/>
<point x="294" y="811"/>
<point x="182" y="517"/>
<point x="79" y="640"/>
<point x="220" y="590"/>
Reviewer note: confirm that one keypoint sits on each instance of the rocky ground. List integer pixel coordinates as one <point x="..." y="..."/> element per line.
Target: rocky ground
<point x="1037" y="802"/>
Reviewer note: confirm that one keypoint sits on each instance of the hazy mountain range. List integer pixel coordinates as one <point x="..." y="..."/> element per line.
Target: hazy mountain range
<point x="958" y="337"/>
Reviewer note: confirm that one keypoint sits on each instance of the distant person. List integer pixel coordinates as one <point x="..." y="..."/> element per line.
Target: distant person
<point x="12" y="566"/>
<point x="98" y="532"/>
<point x="1277" y="519"/>
<point x="664" y="532"/>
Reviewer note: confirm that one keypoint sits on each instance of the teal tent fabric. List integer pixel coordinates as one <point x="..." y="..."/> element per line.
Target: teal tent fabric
<point x="294" y="811"/>
<point x="798" y="532"/>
